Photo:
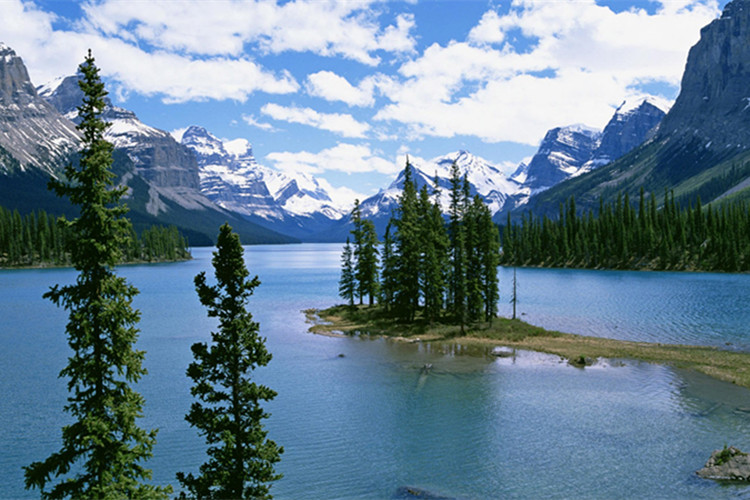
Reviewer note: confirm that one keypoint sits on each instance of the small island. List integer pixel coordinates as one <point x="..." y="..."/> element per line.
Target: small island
<point x="481" y="338"/>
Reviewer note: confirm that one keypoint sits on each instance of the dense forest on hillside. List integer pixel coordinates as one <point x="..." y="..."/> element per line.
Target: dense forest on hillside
<point x="36" y="239"/>
<point x="621" y="236"/>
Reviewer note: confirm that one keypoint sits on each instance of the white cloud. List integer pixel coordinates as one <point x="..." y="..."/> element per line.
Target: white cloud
<point x="178" y="133"/>
<point x="575" y="61"/>
<point x="333" y="87"/>
<point x="253" y="122"/>
<point x="341" y="196"/>
<point x="338" y="123"/>
<point x="348" y="158"/>
<point x="347" y="29"/>
<point x="49" y="53"/>
<point x="489" y="29"/>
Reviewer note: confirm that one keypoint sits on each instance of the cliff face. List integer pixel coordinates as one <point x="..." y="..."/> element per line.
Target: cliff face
<point x="627" y="129"/>
<point x="713" y="108"/>
<point x="563" y="151"/>
<point x="156" y="155"/>
<point x="32" y="133"/>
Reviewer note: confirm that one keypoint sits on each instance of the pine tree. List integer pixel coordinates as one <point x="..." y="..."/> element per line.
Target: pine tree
<point x="347" y="282"/>
<point x="408" y="249"/>
<point x="388" y="275"/>
<point x="367" y="261"/>
<point x="228" y="411"/>
<point x="489" y="252"/>
<point x="358" y="235"/>
<point x="457" y="232"/>
<point x="434" y="254"/>
<point x="103" y="444"/>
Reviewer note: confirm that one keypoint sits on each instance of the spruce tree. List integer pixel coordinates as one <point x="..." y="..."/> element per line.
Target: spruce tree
<point x="489" y="251"/>
<point x="408" y="249"/>
<point x="367" y="268"/>
<point x="457" y="282"/>
<point x="347" y="282"/>
<point x="228" y="412"/>
<point x="102" y="448"/>
<point x="388" y="275"/>
<point x="357" y="236"/>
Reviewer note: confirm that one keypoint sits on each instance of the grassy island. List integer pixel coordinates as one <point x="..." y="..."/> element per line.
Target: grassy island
<point x="729" y="366"/>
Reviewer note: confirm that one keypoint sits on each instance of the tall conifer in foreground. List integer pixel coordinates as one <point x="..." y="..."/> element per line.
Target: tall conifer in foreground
<point x="103" y="445"/>
<point x="228" y="411"/>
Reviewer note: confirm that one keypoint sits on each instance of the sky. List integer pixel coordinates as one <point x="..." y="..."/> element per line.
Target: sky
<point x="343" y="90"/>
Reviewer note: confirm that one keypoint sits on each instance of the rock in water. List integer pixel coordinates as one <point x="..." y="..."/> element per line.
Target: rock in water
<point x="729" y="464"/>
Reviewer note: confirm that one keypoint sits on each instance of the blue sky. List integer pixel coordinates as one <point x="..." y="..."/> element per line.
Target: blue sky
<point x="343" y="90"/>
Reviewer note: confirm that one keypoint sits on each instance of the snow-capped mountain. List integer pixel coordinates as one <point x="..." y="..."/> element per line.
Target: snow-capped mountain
<point x="632" y="124"/>
<point x="485" y="179"/>
<point x="561" y="155"/>
<point x="570" y="151"/>
<point x="231" y="177"/>
<point x="32" y="133"/>
<point x="156" y="155"/>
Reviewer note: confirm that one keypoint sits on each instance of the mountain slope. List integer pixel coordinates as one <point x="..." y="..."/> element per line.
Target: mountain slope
<point x="33" y="135"/>
<point x="36" y="140"/>
<point x="700" y="146"/>
<point x="230" y="177"/>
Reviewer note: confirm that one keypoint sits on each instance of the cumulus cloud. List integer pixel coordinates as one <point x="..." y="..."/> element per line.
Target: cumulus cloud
<point x="222" y="27"/>
<point x="567" y="62"/>
<point x="338" y="123"/>
<point x="343" y="157"/>
<point x="333" y="87"/>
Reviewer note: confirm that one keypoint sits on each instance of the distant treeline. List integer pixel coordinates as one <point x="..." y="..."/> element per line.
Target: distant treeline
<point x="620" y="236"/>
<point x="37" y="239"/>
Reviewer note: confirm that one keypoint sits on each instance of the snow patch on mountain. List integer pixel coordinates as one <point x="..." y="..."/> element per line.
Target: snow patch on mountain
<point x="231" y="177"/>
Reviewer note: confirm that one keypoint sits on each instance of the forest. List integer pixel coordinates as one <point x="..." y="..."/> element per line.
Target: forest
<point x="621" y="236"/>
<point x="425" y="269"/>
<point x="36" y="239"/>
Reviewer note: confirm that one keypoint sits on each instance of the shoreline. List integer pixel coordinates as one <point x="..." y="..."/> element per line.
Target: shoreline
<point x="47" y="265"/>
<point x="580" y="351"/>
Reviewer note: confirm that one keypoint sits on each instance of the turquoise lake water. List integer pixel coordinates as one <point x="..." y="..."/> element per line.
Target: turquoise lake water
<point x="368" y="423"/>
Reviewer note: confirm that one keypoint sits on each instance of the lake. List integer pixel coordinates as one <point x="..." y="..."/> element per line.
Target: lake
<point x="365" y="424"/>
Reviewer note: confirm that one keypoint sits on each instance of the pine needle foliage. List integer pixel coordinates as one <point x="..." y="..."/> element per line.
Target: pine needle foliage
<point x="102" y="449"/>
<point x="228" y="412"/>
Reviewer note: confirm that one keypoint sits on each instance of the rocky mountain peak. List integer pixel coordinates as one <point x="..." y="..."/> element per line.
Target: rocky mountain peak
<point x="31" y="131"/>
<point x="15" y="84"/>
<point x="563" y="151"/>
<point x="630" y="126"/>
<point x="713" y="108"/>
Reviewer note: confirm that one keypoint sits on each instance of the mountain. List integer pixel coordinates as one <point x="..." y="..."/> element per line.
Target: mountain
<point x="702" y="146"/>
<point x="297" y="205"/>
<point x="485" y="179"/>
<point x="567" y="152"/>
<point x="33" y="135"/>
<point x="37" y="140"/>
<point x="631" y="125"/>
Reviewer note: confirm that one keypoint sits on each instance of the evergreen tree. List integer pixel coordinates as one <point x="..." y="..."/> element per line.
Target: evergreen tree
<point x="228" y="411"/>
<point x="408" y="249"/>
<point x="489" y="254"/>
<point x="357" y="235"/>
<point x="347" y="282"/>
<point x="388" y="275"/>
<point x="457" y="282"/>
<point x="434" y="254"/>
<point x="367" y="268"/>
<point x="103" y="445"/>
<point x="474" y="274"/>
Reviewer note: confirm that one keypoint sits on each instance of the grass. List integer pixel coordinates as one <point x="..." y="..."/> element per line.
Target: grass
<point x="729" y="366"/>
